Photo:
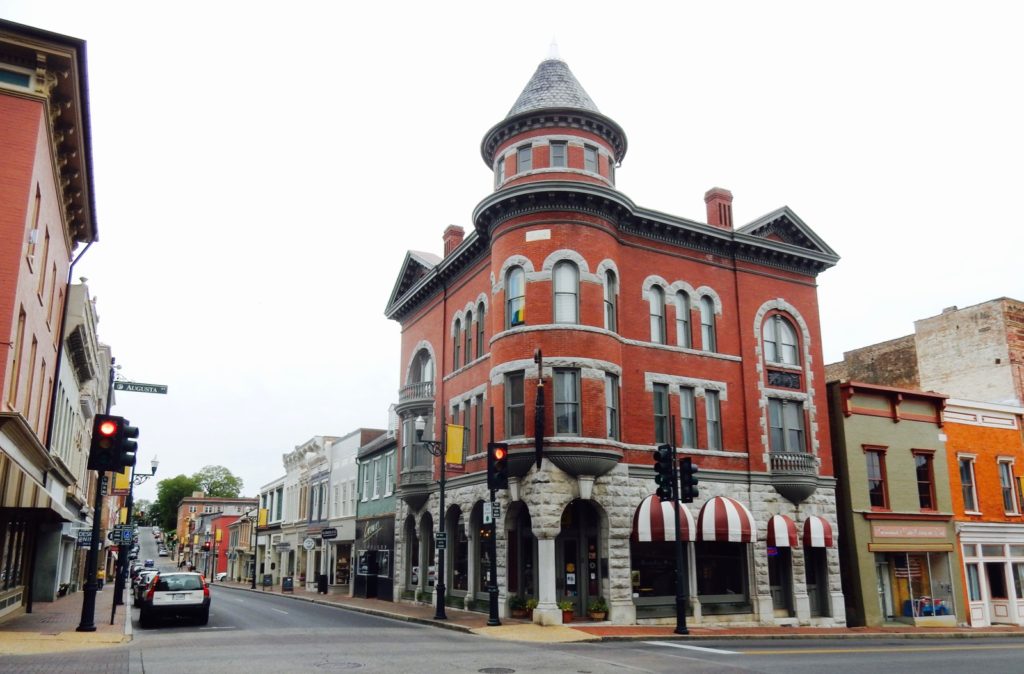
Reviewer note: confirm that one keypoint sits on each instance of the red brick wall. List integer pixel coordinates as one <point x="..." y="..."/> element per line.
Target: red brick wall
<point x="987" y="444"/>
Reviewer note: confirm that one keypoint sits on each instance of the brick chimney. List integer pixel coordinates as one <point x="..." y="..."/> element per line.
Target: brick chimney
<point x="719" y="203"/>
<point x="452" y="238"/>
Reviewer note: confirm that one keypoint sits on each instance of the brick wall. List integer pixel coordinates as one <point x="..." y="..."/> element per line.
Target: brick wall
<point x="890" y="363"/>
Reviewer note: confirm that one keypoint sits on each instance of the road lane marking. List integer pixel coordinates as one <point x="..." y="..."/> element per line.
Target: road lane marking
<point x="888" y="649"/>
<point x="279" y="610"/>
<point x="701" y="649"/>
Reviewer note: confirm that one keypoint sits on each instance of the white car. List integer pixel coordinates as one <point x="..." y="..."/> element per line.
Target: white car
<point x="221" y="576"/>
<point x="176" y="594"/>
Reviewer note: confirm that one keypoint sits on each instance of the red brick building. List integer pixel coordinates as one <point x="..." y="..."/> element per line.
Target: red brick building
<point x="651" y="328"/>
<point x="46" y="211"/>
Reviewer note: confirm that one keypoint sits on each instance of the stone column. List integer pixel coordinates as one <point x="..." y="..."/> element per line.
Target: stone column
<point x="547" y="611"/>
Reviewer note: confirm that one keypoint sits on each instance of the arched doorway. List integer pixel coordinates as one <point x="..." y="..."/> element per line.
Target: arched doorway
<point x="521" y="562"/>
<point x="578" y="555"/>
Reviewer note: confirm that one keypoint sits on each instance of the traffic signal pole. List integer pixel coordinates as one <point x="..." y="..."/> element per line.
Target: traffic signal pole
<point x="87" y="623"/>
<point x="492" y="548"/>
<point x="681" y="568"/>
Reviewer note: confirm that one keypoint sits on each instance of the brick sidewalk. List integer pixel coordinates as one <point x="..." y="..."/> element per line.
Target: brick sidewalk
<point x="52" y="626"/>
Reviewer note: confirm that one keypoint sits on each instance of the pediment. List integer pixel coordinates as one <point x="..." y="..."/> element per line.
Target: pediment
<point x="783" y="226"/>
<point x="416" y="265"/>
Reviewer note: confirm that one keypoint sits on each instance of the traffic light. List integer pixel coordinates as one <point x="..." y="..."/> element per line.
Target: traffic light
<point x="113" y="444"/>
<point x="688" y="480"/>
<point x="497" y="465"/>
<point x="663" y="473"/>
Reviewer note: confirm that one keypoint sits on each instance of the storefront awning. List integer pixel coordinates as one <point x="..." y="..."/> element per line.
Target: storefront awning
<point x="725" y="520"/>
<point x="781" y="532"/>
<point x="654" y="521"/>
<point x="817" y="532"/>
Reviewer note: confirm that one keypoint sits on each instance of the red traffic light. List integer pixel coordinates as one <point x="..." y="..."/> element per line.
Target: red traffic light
<point x="499" y="453"/>
<point x="107" y="427"/>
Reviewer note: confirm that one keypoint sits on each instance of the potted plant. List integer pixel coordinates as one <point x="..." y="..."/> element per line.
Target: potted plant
<point x="597" y="609"/>
<point x="517" y="605"/>
<point x="567" y="606"/>
<point x="531" y="604"/>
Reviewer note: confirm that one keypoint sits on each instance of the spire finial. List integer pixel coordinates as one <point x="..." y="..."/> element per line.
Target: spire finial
<point x="553" y="51"/>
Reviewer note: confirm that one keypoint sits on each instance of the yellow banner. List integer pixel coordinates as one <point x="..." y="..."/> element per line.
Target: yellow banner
<point x="455" y="444"/>
<point x="261" y="520"/>
<point x="195" y="539"/>
<point x="123" y="482"/>
<point x="123" y="517"/>
<point x="218" y="536"/>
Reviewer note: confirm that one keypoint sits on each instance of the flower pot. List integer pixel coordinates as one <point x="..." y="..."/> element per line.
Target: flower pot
<point x="519" y="613"/>
<point x="566" y="617"/>
<point x="597" y="615"/>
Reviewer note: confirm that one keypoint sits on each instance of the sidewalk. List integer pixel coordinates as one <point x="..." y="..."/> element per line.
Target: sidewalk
<point x="585" y="630"/>
<point x="51" y="627"/>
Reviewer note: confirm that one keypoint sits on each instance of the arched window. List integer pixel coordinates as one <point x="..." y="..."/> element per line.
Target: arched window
<point x="683" y="319"/>
<point x="456" y="337"/>
<point x="657" y="300"/>
<point x="780" y="343"/>
<point x="480" y="330"/>
<point x="707" y="324"/>
<point x="469" y="337"/>
<point x="422" y="368"/>
<point x="515" y="297"/>
<point x="611" y="292"/>
<point x="566" y="284"/>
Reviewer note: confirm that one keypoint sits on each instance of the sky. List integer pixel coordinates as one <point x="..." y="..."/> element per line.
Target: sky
<point x="261" y="169"/>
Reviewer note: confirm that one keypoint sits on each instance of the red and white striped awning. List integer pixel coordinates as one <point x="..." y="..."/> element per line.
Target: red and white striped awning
<point x="725" y="520"/>
<point x="781" y="532"/>
<point x="654" y="521"/>
<point x="817" y="532"/>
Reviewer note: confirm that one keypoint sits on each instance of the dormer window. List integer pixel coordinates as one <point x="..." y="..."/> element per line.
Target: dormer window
<point x="590" y="159"/>
<point x="558" y="154"/>
<point x="524" y="159"/>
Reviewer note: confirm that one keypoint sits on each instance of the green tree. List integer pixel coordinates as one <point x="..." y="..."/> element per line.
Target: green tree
<point x="218" y="481"/>
<point x="143" y="511"/>
<point x="169" y="493"/>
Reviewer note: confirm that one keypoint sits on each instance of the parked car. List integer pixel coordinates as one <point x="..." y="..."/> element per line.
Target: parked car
<point x="140" y="585"/>
<point x="149" y="564"/>
<point x="175" y="594"/>
<point x="162" y="553"/>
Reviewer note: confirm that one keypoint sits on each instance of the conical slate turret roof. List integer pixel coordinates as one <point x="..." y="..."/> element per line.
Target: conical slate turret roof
<point x="553" y="86"/>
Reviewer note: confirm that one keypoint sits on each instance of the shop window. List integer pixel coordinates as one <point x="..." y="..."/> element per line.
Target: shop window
<point x="1006" y="483"/>
<point x="877" y="490"/>
<point x="483" y="553"/>
<point x="973" y="583"/>
<point x="722" y="582"/>
<point x="567" y="402"/>
<point x="687" y="417"/>
<point x="925" y="480"/>
<point x="460" y="557"/>
<point x="653" y="569"/>
<point x="656" y="297"/>
<point x="786" y="424"/>
<point x="683" y="319"/>
<point x="611" y="291"/>
<point x="661" y="414"/>
<point x="967" y="484"/>
<point x="515" y="406"/>
<point x="558" y="154"/>
<point x="515" y="297"/>
<point x="611" y="405"/>
<point x="566" y="286"/>
<point x="780" y="343"/>
<point x="713" y="409"/>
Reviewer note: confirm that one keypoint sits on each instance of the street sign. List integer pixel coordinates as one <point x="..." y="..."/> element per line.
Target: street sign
<point x="496" y="510"/>
<point x="139" y="387"/>
<point x="308" y="544"/>
<point x="441" y="540"/>
<point x="329" y="533"/>
<point x="104" y="483"/>
<point x="84" y="537"/>
<point x="487" y="516"/>
<point x="114" y="536"/>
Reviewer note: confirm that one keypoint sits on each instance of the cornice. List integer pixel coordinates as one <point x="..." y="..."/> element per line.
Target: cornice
<point x="550" y="118"/>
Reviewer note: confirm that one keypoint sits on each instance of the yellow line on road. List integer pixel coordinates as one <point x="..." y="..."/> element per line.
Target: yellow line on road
<point x="890" y="649"/>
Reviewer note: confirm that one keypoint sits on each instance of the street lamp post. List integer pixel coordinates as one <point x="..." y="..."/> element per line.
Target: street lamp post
<point x="436" y="448"/>
<point x="122" y="562"/>
<point x="253" y="520"/>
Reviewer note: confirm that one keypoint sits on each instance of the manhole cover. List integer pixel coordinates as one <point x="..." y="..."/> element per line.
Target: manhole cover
<point x="496" y="670"/>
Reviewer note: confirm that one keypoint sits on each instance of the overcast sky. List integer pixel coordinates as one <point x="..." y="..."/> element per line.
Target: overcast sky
<point x="261" y="169"/>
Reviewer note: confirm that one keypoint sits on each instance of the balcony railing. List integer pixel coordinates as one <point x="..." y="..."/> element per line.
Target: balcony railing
<point x="799" y="463"/>
<point x="421" y="390"/>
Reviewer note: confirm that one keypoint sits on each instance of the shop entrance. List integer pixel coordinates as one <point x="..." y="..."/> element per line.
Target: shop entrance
<point x="998" y="593"/>
<point x="816" y="569"/>
<point x="577" y="556"/>
<point x="780" y="580"/>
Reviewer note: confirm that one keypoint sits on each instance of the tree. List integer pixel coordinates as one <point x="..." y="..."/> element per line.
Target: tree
<point x="143" y="511"/>
<point x="218" y="481"/>
<point x="169" y="493"/>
